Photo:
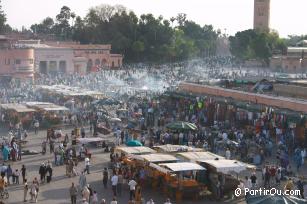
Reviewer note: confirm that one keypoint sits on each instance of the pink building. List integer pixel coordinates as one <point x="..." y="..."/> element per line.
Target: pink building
<point x="16" y="62"/>
<point x="97" y="56"/>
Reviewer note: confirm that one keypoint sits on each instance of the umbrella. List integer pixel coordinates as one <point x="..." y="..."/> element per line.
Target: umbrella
<point x="274" y="199"/>
<point x="134" y="143"/>
<point x="181" y="126"/>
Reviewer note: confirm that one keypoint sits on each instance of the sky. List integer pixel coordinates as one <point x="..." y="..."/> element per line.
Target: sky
<point x="287" y="16"/>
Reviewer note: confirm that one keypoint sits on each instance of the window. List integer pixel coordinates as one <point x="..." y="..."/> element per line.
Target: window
<point x="17" y="61"/>
<point x="31" y="61"/>
<point x="7" y="61"/>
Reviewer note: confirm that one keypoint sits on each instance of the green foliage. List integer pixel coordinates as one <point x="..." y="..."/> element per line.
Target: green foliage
<point x="147" y="38"/>
<point x="4" y="28"/>
<point x="251" y="44"/>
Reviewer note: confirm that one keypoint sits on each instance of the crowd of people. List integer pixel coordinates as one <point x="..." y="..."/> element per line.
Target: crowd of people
<point x="261" y="138"/>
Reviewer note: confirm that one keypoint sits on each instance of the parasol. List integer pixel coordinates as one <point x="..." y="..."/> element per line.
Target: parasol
<point x="134" y="143"/>
<point x="179" y="125"/>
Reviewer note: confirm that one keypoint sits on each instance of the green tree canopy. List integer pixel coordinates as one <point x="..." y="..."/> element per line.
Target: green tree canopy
<point x="251" y="44"/>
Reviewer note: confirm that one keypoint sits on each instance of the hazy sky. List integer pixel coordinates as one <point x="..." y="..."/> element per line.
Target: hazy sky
<point x="287" y="16"/>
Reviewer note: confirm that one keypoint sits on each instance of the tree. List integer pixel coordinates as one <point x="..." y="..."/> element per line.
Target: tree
<point x="3" y="26"/>
<point x="251" y="44"/>
<point x="62" y="27"/>
<point x="138" y="47"/>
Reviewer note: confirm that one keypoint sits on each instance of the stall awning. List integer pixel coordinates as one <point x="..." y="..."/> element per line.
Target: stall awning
<point x="135" y="150"/>
<point x="19" y="108"/>
<point x="227" y="166"/>
<point x="176" y="148"/>
<point x="46" y="106"/>
<point x="195" y="156"/>
<point x="156" y="158"/>
<point x="183" y="166"/>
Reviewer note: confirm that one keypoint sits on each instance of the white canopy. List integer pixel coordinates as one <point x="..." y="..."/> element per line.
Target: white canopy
<point x="183" y="166"/>
<point x="135" y="150"/>
<point x="19" y="108"/>
<point x="176" y="148"/>
<point x="46" y="106"/>
<point x="195" y="156"/>
<point x="227" y="166"/>
<point x="156" y="158"/>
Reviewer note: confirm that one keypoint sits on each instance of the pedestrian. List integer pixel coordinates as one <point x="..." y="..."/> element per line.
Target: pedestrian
<point x="150" y="202"/>
<point x="95" y="198"/>
<point x="289" y="185"/>
<point x="254" y="180"/>
<point x="120" y="183"/>
<point x="36" y="126"/>
<point x="33" y="192"/>
<point x="49" y="172"/>
<point x="86" y="194"/>
<point x="23" y="173"/>
<point x="114" y="201"/>
<point x="82" y="180"/>
<point x="73" y="193"/>
<point x="105" y="178"/>
<point x="103" y="201"/>
<point x="227" y="154"/>
<point x="17" y="174"/>
<point x="87" y="165"/>
<point x="84" y="201"/>
<point x="168" y="201"/>
<point x="9" y="174"/>
<point x="114" y="181"/>
<point x="42" y="172"/>
<point x="36" y="187"/>
<point x="132" y="183"/>
<point x="25" y="190"/>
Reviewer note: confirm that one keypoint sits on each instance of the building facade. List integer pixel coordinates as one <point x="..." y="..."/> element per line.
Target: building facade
<point x="14" y="61"/>
<point x="23" y="58"/>
<point x="97" y="56"/>
<point x="294" y="61"/>
<point x="262" y="15"/>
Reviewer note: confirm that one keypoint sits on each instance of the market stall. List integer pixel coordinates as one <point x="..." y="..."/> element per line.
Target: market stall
<point x="221" y="171"/>
<point x="53" y="114"/>
<point x="181" y="180"/>
<point x="15" y="113"/>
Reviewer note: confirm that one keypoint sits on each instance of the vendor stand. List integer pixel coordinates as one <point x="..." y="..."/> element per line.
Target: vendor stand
<point x="181" y="180"/>
<point x="221" y="170"/>
<point x="16" y="113"/>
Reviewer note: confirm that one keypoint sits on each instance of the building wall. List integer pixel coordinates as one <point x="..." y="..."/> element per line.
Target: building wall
<point x="18" y="63"/>
<point x="52" y="60"/>
<point x="262" y="15"/>
<point x="288" y="64"/>
<point x="291" y="90"/>
<point x="80" y="64"/>
<point x="97" y="55"/>
<point x="280" y="102"/>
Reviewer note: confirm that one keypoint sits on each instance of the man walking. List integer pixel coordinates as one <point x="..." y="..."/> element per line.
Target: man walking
<point x="73" y="193"/>
<point x="114" y="181"/>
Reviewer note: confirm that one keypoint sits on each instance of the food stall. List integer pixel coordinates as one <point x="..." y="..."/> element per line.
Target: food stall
<point x="181" y="180"/>
<point x="173" y="149"/>
<point x="52" y="114"/>
<point x="15" y="112"/>
<point x="125" y="153"/>
<point x="222" y="170"/>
